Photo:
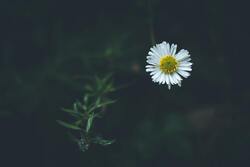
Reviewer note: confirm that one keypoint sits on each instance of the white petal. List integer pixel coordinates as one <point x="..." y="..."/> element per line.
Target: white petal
<point x="165" y="48"/>
<point x="154" y="72"/>
<point x="153" y="56"/>
<point x="185" y="68"/>
<point x="185" y="64"/>
<point x="182" y="54"/>
<point x="183" y="73"/>
<point x="162" y="49"/>
<point x="158" y="48"/>
<point x="173" y="49"/>
<point x="150" y="69"/>
<point x="185" y="60"/>
<point x="179" y="83"/>
<point x="169" y="86"/>
<point x="162" y="78"/>
<point x="154" y="49"/>
<point x="149" y="66"/>
<point x="177" y="76"/>
<point x="174" y="79"/>
<point x="167" y="79"/>
<point x="159" y="79"/>
<point x="152" y="62"/>
<point x="153" y="53"/>
<point x="168" y="49"/>
<point x="171" y="80"/>
<point x="156" y="76"/>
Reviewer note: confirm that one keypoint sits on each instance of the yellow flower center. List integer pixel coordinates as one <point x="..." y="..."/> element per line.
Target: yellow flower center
<point x="168" y="64"/>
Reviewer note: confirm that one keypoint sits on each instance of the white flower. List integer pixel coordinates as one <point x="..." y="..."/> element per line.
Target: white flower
<point x="167" y="67"/>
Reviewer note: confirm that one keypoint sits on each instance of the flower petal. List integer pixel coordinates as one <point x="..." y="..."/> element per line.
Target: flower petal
<point x="177" y="76"/>
<point x="172" y="81"/>
<point x="162" y="79"/>
<point x="185" y="64"/>
<point x="169" y="86"/>
<point x="183" y="73"/>
<point x="173" y="49"/>
<point x="182" y="54"/>
<point x="185" y="68"/>
<point x="167" y="79"/>
<point x="157" y="76"/>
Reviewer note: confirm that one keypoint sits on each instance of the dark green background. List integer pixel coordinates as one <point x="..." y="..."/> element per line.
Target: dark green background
<point x="49" y="47"/>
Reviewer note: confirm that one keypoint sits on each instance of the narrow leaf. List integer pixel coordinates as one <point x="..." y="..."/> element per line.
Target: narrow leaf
<point x="105" y="103"/>
<point x="73" y="112"/>
<point x="103" y="142"/>
<point x="67" y="125"/>
<point x="89" y="123"/>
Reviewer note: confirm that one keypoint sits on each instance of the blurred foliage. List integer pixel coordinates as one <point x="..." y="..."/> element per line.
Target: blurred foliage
<point x="94" y="105"/>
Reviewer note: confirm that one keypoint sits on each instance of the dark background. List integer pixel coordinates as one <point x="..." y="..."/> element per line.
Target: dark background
<point x="46" y="46"/>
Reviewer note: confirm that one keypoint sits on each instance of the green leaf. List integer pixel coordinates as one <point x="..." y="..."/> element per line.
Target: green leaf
<point x="105" y="103"/>
<point x="73" y="113"/>
<point x="76" y="105"/>
<point x="109" y="88"/>
<point x="98" y="101"/>
<point x="86" y="99"/>
<point x="103" y="142"/>
<point x="84" y="107"/>
<point x="78" y="122"/>
<point x="90" y="121"/>
<point x="67" y="125"/>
